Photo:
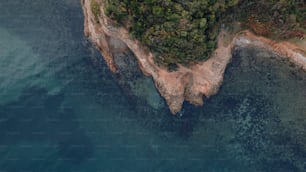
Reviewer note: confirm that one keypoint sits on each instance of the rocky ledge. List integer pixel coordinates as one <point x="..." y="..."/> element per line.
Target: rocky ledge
<point x="187" y="83"/>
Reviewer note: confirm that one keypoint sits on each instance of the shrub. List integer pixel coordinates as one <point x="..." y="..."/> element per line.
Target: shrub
<point x="95" y="8"/>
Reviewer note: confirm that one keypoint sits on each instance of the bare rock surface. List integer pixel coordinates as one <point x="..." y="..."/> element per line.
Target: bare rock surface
<point x="186" y="83"/>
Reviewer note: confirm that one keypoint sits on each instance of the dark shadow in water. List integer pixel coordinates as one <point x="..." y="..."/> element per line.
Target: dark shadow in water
<point x="38" y="117"/>
<point x="248" y="101"/>
<point x="159" y="121"/>
<point x="55" y="32"/>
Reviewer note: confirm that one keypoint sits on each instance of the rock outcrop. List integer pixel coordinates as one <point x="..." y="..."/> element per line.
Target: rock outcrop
<point x="187" y="83"/>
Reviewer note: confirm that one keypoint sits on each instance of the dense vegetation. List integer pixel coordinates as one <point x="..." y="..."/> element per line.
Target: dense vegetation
<point x="278" y="19"/>
<point x="180" y="31"/>
<point x="176" y="31"/>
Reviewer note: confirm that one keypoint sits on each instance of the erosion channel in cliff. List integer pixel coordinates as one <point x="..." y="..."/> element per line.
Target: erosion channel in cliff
<point x="186" y="83"/>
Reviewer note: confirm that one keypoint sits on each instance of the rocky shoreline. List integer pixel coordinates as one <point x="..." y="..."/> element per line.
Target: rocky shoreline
<point x="187" y="83"/>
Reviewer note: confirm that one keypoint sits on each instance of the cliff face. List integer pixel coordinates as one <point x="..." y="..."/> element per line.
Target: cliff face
<point x="187" y="83"/>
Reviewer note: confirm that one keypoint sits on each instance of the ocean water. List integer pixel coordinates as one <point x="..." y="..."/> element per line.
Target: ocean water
<point x="61" y="110"/>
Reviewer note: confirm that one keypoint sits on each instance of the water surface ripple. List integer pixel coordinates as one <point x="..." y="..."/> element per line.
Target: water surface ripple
<point x="61" y="109"/>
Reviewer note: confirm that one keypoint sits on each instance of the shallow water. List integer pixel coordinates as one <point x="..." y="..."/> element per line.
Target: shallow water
<point x="62" y="110"/>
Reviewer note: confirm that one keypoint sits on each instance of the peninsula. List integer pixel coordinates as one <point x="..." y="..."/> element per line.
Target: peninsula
<point x="186" y="49"/>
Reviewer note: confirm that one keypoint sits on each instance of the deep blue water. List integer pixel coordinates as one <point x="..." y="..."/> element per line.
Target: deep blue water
<point x="61" y="110"/>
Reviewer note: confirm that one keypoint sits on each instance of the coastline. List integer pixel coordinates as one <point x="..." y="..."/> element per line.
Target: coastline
<point x="186" y="83"/>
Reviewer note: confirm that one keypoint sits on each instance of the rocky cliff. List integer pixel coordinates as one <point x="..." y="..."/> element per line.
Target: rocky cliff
<point x="187" y="83"/>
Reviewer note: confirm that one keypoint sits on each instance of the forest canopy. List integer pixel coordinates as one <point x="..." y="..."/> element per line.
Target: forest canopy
<point x="180" y="31"/>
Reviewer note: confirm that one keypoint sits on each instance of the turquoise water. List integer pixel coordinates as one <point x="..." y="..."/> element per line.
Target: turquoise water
<point x="61" y="110"/>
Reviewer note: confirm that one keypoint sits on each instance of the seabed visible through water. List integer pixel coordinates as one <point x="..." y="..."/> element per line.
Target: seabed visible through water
<point x="62" y="110"/>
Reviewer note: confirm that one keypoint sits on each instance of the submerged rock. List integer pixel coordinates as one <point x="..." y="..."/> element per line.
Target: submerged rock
<point x="131" y="79"/>
<point x="186" y="83"/>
